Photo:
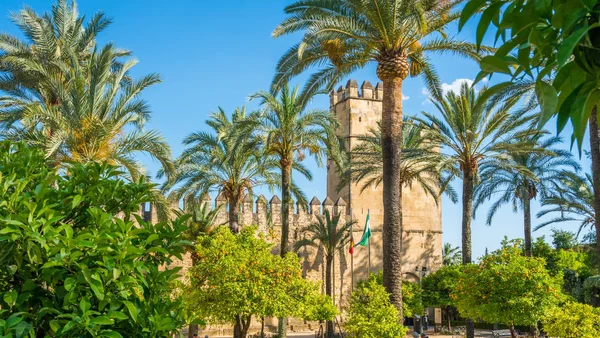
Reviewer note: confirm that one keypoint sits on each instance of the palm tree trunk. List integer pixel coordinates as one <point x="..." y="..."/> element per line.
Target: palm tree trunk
<point x="286" y="178"/>
<point x="467" y="199"/>
<point x="527" y="225"/>
<point x="234" y="212"/>
<point x="595" y="151"/>
<point x="392" y="190"/>
<point x="328" y="290"/>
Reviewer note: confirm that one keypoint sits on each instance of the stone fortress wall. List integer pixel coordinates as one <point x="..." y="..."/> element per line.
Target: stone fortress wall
<point x="357" y="110"/>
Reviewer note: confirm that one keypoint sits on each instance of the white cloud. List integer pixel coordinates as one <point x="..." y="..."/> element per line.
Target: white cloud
<point x="455" y="85"/>
<point x="405" y="97"/>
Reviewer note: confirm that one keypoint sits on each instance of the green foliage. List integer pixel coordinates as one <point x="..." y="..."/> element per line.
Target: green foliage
<point x="438" y="286"/>
<point x="370" y="313"/>
<point x="554" y="43"/>
<point x="562" y="239"/>
<point x="237" y="277"/>
<point x="591" y="291"/>
<point x="412" y="303"/>
<point x="318" y="307"/>
<point x="451" y="255"/>
<point x="572" y="320"/>
<point x="506" y="287"/>
<point x="69" y="267"/>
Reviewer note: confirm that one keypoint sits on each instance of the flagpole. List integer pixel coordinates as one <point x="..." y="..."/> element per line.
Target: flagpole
<point x="369" y="248"/>
<point x="351" y="255"/>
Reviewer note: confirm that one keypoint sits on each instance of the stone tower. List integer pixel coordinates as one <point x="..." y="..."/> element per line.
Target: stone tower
<point x="358" y="110"/>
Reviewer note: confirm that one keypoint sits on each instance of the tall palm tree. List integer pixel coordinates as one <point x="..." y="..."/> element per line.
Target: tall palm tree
<point x="522" y="177"/>
<point x="290" y="132"/>
<point x="474" y="135"/>
<point x="573" y="201"/>
<point x="420" y="160"/>
<point x="451" y="255"/>
<point x="341" y="36"/>
<point x="223" y="160"/>
<point x="53" y="41"/>
<point x="99" y="118"/>
<point x="329" y="233"/>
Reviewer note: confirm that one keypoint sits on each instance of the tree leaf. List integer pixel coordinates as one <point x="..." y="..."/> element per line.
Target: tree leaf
<point x="470" y="8"/>
<point x="132" y="310"/>
<point x="76" y="201"/>
<point x="494" y="64"/>
<point x="102" y="320"/>
<point x="548" y="100"/>
<point x="565" y="49"/>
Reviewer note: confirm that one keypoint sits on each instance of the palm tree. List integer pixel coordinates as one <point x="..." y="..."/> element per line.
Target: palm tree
<point x="225" y="161"/>
<point x="475" y="135"/>
<point x="202" y="222"/>
<point x="341" y="36"/>
<point x="451" y="255"/>
<point x="53" y="42"/>
<point x="99" y="118"/>
<point x="420" y="160"/>
<point x="573" y="200"/>
<point x="290" y="132"/>
<point x="522" y="177"/>
<point x="327" y="232"/>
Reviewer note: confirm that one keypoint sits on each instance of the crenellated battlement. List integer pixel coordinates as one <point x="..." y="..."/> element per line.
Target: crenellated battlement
<point x="366" y="92"/>
<point x="267" y="213"/>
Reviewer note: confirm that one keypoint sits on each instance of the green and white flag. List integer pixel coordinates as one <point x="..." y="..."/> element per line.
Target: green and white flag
<point x="364" y="240"/>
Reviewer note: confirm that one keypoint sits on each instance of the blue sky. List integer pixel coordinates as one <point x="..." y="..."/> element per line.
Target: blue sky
<point x="217" y="53"/>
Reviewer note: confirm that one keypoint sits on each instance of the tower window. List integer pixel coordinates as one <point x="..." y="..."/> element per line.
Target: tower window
<point x="359" y="119"/>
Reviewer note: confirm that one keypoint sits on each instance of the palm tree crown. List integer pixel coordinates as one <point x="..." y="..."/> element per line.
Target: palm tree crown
<point x="474" y="135"/>
<point x="522" y="177"/>
<point x="573" y="200"/>
<point x="341" y="36"/>
<point x="53" y="42"/>
<point x="451" y="255"/>
<point x="99" y="117"/>
<point x="225" y="160"/>
<point x="420" y="161"/>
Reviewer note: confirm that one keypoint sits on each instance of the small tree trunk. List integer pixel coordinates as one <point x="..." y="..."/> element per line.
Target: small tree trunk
<point x="513" y="333"/>
<point x="527" y="225"/>
<point x="391" y="143"/>
<point x="328" y="290"/>
<point x="262" y="327"/>
<point x="240" y="330"/>
<point x="447" y="311"/>
<point x="286" y="178"/>
<point x="467" y="198"/>
<point x="234" y="212"/>
<point x="595" y="152"/>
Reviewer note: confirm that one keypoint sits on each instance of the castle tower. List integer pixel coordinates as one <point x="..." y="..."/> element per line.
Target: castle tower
<point x="357" y="112"/>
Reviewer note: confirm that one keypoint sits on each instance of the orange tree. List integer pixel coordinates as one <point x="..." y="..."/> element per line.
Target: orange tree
<point x="507" y="287"/>
<point x="438" y="287"/>
<point x="237" y="278"/>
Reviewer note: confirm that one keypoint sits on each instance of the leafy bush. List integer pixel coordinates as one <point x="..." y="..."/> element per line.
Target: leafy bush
<point x="572" y="320"/>
<point x="68" y="266"/>
<point x="591" y="291"/>
<point x="371" y="314"/>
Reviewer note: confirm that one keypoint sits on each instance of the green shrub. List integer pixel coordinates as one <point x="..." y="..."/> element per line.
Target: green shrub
<point x="572" y="320"/>
<point x="591" y="291"/>
<point x="370" y="313"/>
<point x="412" y="295"/>
<point x="69" y="267"/>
